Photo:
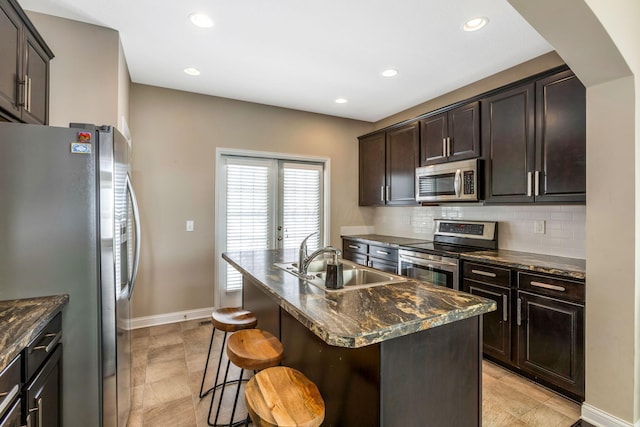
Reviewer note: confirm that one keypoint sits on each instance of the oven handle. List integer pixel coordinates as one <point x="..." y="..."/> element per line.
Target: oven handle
<point x="424" y="262"/>
<point x="457" y="183"/>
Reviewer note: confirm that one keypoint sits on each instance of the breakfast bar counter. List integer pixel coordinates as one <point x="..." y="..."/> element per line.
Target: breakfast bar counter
<point x="407" y="353"/>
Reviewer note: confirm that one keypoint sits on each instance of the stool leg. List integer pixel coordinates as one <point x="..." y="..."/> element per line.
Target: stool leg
<point x="224" y="382"/>
<point x="206" y="366"/>
<point x="235" y="401"/>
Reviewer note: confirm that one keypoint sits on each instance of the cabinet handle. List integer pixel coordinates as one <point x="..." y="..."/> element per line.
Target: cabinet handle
<point x="382" y="193"/>
<point x="40" y="412"/>
<point x="448" y="147"/>
<point x="8" y="397"/>
<point x="29" y="96"/>
<point x="47" y="348"/>
<point x="484" y="273"/>
<point x="354" y="247"/>
<point x="28" y="420"/>
<point x="519" y="312"/>
<point x="444" y="147"/>
<point x="382" y="252"/>
<point x="505" y="308"/>
<point x="536" y="183"/>
<point x="548" y="286"/>
<point x="387" y="199"/>
<point x="528" y="184"/>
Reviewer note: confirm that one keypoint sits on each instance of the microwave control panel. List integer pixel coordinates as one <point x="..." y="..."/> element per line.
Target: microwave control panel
<point x="468" y="182"/>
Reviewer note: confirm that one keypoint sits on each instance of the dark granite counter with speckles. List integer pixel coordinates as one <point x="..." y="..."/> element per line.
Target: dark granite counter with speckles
<point x="357" y="318"/>
<point x="560" y="266"/>
<point x="21" y="320"/>
<point x="378" y="239"/>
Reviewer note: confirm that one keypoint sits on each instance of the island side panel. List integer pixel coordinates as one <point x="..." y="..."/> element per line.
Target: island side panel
<point x="265" y="308"/>
<point x="433" y="377"/>
<point x="348" y="378"/>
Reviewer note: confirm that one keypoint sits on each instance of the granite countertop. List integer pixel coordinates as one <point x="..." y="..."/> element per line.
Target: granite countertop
<point x="568" y="267"/>
<point x="356" y="318"/>
<point x="21" y="320"/>
<point x="385" y="240"/>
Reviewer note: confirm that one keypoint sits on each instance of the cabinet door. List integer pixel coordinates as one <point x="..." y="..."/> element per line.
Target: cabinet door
<point x="496" y="325"/>
<point x="10" y="61"/>
<point x="551" y="341"/>
<point x="43" y="394"/>
<point x="36" y="71"/>
<point x="508" y="137"/>
<point x="372" y="170"/>
<point x="402" y="160"/>
<point x="433" y="134"/>
<point x="384" y="265"/>
<point x="561" y="138"/>
<point x="464" y="132"/>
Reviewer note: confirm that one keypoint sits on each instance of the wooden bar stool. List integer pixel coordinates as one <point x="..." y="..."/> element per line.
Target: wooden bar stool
<point x="282" y="396"/>
<point x="226" y="319"/>
<point x="252" y="349"/>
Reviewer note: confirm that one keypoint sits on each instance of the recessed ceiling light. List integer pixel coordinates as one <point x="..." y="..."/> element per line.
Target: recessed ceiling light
<point x="192" y="71"/>
<point x="341" y="101"/>
<point x="391" y="72"/>
<point x="475" y="24"/>
<point x="201" y="20"/>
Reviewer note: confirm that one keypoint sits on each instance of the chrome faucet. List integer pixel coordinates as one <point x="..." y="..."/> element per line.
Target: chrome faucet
<point x="304" y="260"/>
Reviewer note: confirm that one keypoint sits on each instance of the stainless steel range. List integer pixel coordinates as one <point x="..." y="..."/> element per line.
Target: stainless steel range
<point x="438" y="261"/>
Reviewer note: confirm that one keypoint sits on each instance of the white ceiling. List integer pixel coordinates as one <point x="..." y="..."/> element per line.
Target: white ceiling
<point x="304" y="54"/>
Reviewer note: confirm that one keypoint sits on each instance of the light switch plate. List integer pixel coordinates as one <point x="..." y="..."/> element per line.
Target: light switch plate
<point x="538" y="226"/>
<point x="189" y="225"/>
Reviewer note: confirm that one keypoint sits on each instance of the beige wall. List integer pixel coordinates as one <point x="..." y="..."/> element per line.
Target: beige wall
<point x="124" y="87"/>
<point x="175" y="138"/>
<point x="85" y="73"/>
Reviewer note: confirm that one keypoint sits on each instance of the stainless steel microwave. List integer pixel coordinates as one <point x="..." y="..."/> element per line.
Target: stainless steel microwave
<point x="448" y="182"/>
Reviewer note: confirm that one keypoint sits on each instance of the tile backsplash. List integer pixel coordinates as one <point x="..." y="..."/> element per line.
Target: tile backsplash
<point x="564" y="233"/>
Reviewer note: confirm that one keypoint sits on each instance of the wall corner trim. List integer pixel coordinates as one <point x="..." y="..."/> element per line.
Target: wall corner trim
<point x="598" y="417"/>
<point x="166" y="318"/>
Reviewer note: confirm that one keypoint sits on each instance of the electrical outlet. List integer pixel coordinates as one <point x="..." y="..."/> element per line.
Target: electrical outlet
<point x="189" y="225"/>
<point x="538" y="226"/>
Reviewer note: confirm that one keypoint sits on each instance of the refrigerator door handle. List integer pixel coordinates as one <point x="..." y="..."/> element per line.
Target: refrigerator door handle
<point x="136" y="220"/>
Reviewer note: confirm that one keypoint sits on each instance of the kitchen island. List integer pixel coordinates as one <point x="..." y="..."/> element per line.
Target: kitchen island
<point x="403" y="354"/>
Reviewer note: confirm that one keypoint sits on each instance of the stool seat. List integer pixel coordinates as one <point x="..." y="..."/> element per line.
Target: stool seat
<point x="232" y="319"/>
<point x="254" y="349"/>
<point x="282" y="396"/>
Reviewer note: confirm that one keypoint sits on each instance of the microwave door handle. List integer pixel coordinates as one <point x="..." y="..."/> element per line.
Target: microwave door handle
<point x="457" y="181"/>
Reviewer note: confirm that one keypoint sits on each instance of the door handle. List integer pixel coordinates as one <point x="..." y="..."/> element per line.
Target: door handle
<point x="457" y="181"/>
<point x="519" y="312"/>
<point x="536" y="183"/>
<point x="382" y="252"/>
<point x="47" y="348"/>
<point x="8" y="397"/>
<point x="444" y="147"/>
<point x="548" y="286"/>
<point x="528" y="184"/>
<point x="483" y="273"/>
<point x="136" y="220"/>
<point x="505" y="308"/>
<point x="382" y="193"/>
<point x="448" y="147"/>
<point x="387" y="193"/>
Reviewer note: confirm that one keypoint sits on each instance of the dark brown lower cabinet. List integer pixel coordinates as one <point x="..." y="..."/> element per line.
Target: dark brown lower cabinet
<point x="42" y="394"/>
<point x="13" y="416"/>
<point x="551" y="341"/>
<point x="496" y="325"/>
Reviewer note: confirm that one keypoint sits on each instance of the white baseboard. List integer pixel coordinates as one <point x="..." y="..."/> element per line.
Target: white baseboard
<point x="599" y="418"/>
<point x="166" y="318"/>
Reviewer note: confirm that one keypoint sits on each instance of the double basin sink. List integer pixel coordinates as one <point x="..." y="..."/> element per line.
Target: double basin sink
<point x="354" y="276"/>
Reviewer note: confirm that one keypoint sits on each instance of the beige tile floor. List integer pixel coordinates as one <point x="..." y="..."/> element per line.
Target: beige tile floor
<point x="168" y="362"/>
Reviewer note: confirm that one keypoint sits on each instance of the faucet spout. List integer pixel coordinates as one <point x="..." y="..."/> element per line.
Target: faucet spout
<point x="304" y="260"/>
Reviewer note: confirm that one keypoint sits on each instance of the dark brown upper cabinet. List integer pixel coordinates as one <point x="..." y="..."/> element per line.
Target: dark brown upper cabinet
<point x="535" y="141"/>
<point x="24" y="67"/>
<point x="388" y="162"/>
<point x="451" y="135"/>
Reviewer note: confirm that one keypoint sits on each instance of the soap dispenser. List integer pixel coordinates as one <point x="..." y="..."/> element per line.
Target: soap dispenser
<point x="334" y="273"/>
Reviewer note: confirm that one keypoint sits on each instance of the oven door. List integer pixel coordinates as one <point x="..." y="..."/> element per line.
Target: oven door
<point x="434" y="269"/>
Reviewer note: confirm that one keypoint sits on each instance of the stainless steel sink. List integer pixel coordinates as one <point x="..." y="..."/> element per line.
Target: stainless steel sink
<point x="354" y="276"/>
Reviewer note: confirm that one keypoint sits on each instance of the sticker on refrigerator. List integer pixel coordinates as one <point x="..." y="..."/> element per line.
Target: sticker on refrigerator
<point x="84" y="136"/>
<point x="80" y="148"/>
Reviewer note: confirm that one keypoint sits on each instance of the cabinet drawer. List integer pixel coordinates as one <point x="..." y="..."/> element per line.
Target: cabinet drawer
<point x="9" y="385"/>
<point x="384" y="252"/>
<point x="487" y="274"/>
<point x="42" y="346"/>
<point x="354" y="246"/>
<point x="356" y="257"/>
<point x="551" y="286"/>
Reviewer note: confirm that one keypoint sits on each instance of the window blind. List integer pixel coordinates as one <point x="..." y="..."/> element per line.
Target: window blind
<point x="301" y="204"/>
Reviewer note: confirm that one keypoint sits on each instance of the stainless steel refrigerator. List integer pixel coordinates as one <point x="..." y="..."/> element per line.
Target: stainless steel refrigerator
<point x="69" y="224"/>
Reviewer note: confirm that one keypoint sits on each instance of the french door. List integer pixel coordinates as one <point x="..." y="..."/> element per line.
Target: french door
<point x="266" y="203"/>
